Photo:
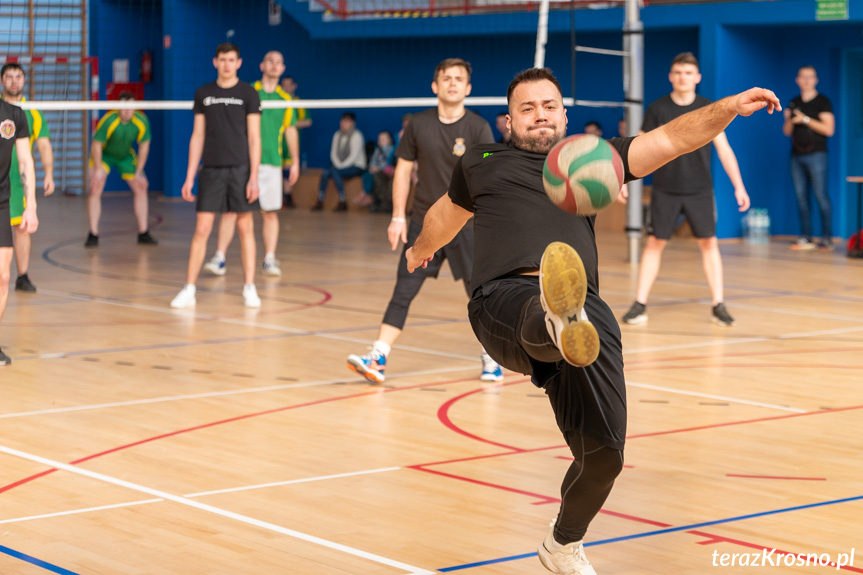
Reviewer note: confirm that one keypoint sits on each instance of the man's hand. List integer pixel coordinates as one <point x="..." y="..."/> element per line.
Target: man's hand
<point x="142" y="180"/>
<point x="397" y="231"/>
<point x="48" y="185"/>
<point x="294" y="173"/>
<point x="742" y="199"/>
<point x="623" y="196"/>
<point x="188" y="185"/>
<point x="252" y="190"/>
<point x="414" y="261"/>
<point x="797" y="117"/>
<point x="29" y="222"/>
<point x="754" y="99"/>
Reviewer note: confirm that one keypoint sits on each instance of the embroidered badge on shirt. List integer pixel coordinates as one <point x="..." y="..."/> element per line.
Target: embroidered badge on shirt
<point x="459" y="148"/>
<point x="7" y="130"/>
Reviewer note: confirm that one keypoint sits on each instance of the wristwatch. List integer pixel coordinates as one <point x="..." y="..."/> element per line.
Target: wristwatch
<point x="806" y="119"/>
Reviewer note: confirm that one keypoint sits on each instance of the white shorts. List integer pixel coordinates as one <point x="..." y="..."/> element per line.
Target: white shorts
<point x="270" y="188"/>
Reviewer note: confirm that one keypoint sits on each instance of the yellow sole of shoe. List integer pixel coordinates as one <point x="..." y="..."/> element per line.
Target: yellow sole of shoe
<point x="564" y="289"/>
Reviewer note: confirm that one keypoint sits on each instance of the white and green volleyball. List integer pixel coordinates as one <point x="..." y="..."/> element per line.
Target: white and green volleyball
<point x="582" y="174"/>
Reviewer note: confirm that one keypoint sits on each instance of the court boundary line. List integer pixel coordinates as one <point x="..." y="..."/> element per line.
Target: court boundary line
<point x="218" y="511"/>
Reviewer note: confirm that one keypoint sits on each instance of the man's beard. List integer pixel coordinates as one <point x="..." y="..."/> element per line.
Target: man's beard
<point x="13" y="94"/>
<point x="540" y="143"/>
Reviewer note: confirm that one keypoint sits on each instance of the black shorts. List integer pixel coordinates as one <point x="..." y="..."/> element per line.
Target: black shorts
<point x="224" y="190"/>
<point x="666" y="209"/>
<point x="5" y="226"/>
<point x="590" y="400"/>
<point x="459" y="253"/>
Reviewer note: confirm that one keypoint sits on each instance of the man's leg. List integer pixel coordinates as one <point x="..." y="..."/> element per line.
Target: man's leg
<point x="140" y="203"/>
<point x="818" y="174"/>
<point x="248" y="248"/>
<point x="227" y="224"/>
<point x="94" y="201"/>
<point x="651" y="260"/>
<point x="22" y="250"/>
<point x="325" y="180"/>
<point x="5" y="266"/>
<point x="712" y="262"/>
<point x="800" y="177"/>
<point x="198" y="249"/>
<point x="270" y="233"/>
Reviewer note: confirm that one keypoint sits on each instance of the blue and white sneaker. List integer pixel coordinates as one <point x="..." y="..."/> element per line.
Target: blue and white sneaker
<point x="216" y="266"/>
<point x="491" y="370"/>
<point x="371" y="366"/>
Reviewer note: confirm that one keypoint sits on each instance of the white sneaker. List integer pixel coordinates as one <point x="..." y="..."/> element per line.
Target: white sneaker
<point x="216" y="266"/>
<point x="250" y="295"/>
<point x="186" y="298"/>
<point x="271" y="268"/>
<point x="563" y="288"/>
<point x="566" y="559"/>
<point x="491" y="370"/>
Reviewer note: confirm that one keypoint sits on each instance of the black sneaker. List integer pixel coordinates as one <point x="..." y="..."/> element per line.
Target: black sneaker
<point x="636" y="315"/>
<point x="4" y="359"/>
<point x="721" y="316"/>
<point x="318" y="207"/>
<point x="342" y="207"/>
<point x="288" y="203"/>
<point x="92" y="241"/>
<point x="146" y="238"/>
<point x="23" y="283"/>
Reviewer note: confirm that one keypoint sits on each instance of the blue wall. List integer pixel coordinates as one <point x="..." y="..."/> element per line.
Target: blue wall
<point x="739" y="44"/>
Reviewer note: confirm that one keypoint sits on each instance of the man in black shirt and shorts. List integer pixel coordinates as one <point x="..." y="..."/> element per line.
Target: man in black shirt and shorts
<point x="227" y="136"/>
<point x="685" y="187"/>
<point x="14" y="139"/>
<point x="535" y="305"/>
<point x="809" y="120"/>
<point x="435" y="138"/>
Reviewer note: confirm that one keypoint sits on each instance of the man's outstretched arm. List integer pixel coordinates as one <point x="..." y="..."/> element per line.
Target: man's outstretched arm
<point x="695" y="129"/>
<point x="440" y="225"/>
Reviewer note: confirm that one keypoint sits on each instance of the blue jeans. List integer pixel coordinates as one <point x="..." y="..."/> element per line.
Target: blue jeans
<point x="806" y="170"/>
<point x="339" y="175"/>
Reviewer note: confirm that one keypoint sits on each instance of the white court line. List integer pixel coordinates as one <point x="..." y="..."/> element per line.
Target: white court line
<point x="223" y="393"/>
<point x="201" y="494"/>
<point x="218" y="511"/>
<point x="821" y="333"/>
<point x="708" y="343"/>
<point x="719" y="397"/>
<point x="292" y="482"/>
<point x="838" y="317"/>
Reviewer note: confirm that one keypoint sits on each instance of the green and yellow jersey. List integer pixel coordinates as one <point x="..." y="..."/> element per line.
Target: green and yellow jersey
<point x="17" y="200"/>
<point x="274" y="121"/>
<point x="117" y="138"/>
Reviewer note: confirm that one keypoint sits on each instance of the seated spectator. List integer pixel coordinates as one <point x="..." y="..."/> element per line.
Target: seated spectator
<point x="347" y="160"/>
<point x="378" y="180"/>
<point x="500" y="124"/>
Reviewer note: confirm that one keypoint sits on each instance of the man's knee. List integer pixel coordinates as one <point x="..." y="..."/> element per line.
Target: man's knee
<point x="245" y="223"/>
<point x="655" y="244"/>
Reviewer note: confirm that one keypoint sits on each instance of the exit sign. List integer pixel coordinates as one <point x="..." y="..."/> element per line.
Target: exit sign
<point x="831" y="10"/>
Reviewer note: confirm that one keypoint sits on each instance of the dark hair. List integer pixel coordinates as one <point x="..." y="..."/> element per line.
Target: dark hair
<point x="531" y="75"/>
<point x="226" y="47"/>
<point x="499" y="114"/>
<point x="126" y="95"/>
<point x="450" y="63"/>
<point x="11" y="66"/>
<point x="685" y="58"/>
<point x="800" y="69"/>
<point x="350" y="116"/>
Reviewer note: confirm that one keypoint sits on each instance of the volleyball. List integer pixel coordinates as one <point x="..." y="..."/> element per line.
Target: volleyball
<point x="582" y="174"/>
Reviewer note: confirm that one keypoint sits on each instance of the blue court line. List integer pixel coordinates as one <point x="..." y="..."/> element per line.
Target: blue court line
<point x="659" y="532"/>
<point x="36" y="562"/>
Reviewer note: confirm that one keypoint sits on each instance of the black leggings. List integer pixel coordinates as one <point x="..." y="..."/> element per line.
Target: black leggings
<point x="586" y="485"/>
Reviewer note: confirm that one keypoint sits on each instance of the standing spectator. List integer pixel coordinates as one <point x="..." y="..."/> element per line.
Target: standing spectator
<point x="112" y="147"/>
<point x="500" y="124"/>
<point x="347" y="160"/>
<point x="593" y="128"/>
<point x="227" y="137"/>
<point x="809" y="121"/>
<point x="685" y="186"/>
<point x="13" y="78"/>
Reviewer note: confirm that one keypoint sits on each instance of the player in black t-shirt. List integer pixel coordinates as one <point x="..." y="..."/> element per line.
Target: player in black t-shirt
<point x="436" y="139"/>
<point x="684" y="186"/>
<point x="526" y="261"/>
<point x="809" y="121"/>
<point x="226" y="139"/>
<point x="14" y="139"/>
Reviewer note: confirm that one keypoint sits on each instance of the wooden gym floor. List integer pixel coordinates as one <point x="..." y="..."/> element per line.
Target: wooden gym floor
<point x="135" y="439"/>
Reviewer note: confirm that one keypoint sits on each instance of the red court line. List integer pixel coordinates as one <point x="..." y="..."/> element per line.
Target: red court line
<point x="443" y="416"/>
<point x="543" y="499"/>
<point x="231" y="420"/>
<point x="740" y="354"/>
<point x="775" y="477"/>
